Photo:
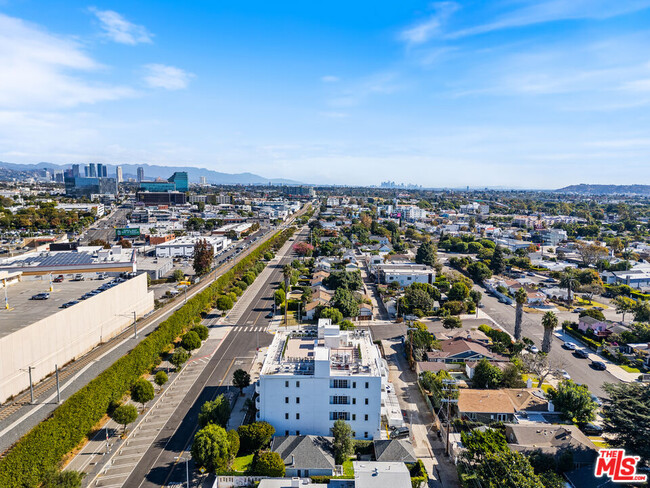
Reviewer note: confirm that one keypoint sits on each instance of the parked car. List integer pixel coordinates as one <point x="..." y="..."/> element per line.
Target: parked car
<point x="69" y="304"/>
<point x="581" y="353"/>
<point x="592" y="429"/>
<point x="58" y="279"/>
<point x="78" y="277"/>
<point x="596" y="400"/>
<point x="599" y="365"/>
<point x="564" y="374"/>
<point x="533" y="349"/>
<point x="570" y="346"/>
<point x="578" y="310"/>
<point x="399" y="433"/>
<point x="41" y="296"/>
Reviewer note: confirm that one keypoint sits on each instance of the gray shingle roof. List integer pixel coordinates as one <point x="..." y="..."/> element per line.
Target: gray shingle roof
<point x="395" y="450"/>
<point x="308" y="451"/>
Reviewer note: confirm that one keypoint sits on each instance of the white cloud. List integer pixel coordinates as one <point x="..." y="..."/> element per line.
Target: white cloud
<point x="330" y="79"/>
<point x="167" y="77"/>
<point x="424" y="31"/>
<point x="120" y="30"/>
<point x="44" y="70"/>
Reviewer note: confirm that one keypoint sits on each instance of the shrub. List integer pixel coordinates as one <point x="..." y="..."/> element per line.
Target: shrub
<point x="161" y="378"/>
<point x="179" y="357"/>
<point x="202" y="331"/>
<point x="242" y="285"/>
<point x="190" y="341"/>
<point x="124" y="415"/>
<point x="233" y="440"/>
<point x="142" y="391"/>
<point x="210" y="448"/>
<point x="268" y="463"/>
<point x="224" y="302"/>
<point x="255" y="436"/>
<point x="215" y="412"/>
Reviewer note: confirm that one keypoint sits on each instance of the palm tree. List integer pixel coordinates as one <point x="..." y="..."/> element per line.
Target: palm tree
<point x="569" y="281"/>
<point x="286" y="272"/>
<point x="549" y="322"/>
<point x="521" y="297"/>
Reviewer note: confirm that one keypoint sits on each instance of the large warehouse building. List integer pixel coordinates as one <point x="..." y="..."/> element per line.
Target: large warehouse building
<point x="41" y="334"/>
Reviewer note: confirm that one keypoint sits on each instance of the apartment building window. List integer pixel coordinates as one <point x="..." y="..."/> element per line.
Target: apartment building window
<point x="286" y="416"/>
<point x="339" y="400"/>
<point x="286" y="432"/>
<point x="286" y="399"/>
<point x="354" y="416"/>
<point x="297" y="399"/>
<point x="339" y="384"/>
<point x="365" y="417"/>
<point x="297" y="432"/>
<point x="354" y="401"/>
<point x="366" y="401"/>
<point x="365" y="435"/>
<point x="286" y="384"/>
<point x="354" y="384"/>
<point x="297" y="416"/>
<point x="297" y="384"/>
<point x="367" y="384"/>
<point x="339" y="415"/>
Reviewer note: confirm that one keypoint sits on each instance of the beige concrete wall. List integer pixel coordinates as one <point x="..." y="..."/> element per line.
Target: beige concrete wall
<point x="70" y="333"/>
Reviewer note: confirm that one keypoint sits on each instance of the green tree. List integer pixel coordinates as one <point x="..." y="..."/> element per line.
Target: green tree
<point x="179" y="357"/>
<point x="506" y="469"/>
<point x="241" y="379"/>
<point x="161" y="378"/>
<point x="347" y="325"/>
<point x="255" y="436"/>
<point x="142" y="391"/>
<point x="426" y="254"/>
<point x="497" y="263"/>
<point x="224" y="302"/>
<point x="574" y="401"/>
<point x="549" y="322"/>
<point x="190" y="341"/>
<point x="344" y="279"/>
<point x="343" y="442"/>
<point x="627" y="417"/>
<point x="125" y="415"/>
<point x="478" y="271"/>
<point x="216" y="411"/>
<point x="178" y="275"/>
<point x="642" y="311"/>
<point x="279" y="297"/>
<point x="346" y="302"/>
<point x="331" y="313"/>
<point x="511" y="377"/>
<point x="211" y="448"/>
<point x="459" y="291"/>
<point x="569" y="281"/>
<point x="268" y="463"/>
<point x="416" y="299"/>
<point x="479" y="443"/>
<point x="233" y="440"/>
<point x="486" y="375"/>
<point x="623" y="305"/>
<point x="521" y="297"/>
<point x="452" y="322"/>
<point x="63" y="479"/>
<point x="203" y="256"/>
<point x="202" y="331"/>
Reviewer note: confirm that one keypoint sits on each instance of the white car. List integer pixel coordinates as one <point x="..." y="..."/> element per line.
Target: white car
<point x="565" y="375"/>
<point x="570" y="346"/>
<point x="534" y="349"/>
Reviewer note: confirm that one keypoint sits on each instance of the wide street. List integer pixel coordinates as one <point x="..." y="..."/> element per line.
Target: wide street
<point x="160" y="465"/>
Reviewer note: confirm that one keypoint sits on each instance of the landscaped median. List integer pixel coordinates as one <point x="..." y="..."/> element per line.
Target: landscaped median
<point x="43" y="448"/>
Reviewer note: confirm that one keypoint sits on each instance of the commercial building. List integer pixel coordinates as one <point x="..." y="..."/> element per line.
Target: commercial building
<point x="405" y="273"/>
<point x="140" y="174"/>
<point x="161" y="197"/>
<point x="97" y="208"/>
<point x="313" y="376"/>
<point x="184" y="246"/>
<point x="176" y="182"/>
<point x="118" y="174"/>
<point x="40" y="334"/>
<point x="236" y="229"/>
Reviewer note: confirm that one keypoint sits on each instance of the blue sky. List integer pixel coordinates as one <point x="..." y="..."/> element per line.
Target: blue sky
<point x="515" y="93"/>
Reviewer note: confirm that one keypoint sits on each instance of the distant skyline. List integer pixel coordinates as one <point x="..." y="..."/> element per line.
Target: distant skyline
<point x="510" y="93"/>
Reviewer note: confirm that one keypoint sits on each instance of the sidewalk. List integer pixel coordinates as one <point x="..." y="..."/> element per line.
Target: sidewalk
<point x="614" y="369"/>
<point x="442" y="472"/>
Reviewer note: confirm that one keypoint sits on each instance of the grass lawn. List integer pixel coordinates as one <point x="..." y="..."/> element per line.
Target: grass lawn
<point x="348" y="469"/>
<point x="594" y="303"/>
<point x="242" y="463"/>
<point x="630" y="369"/>
<point x="599" y="442"/>
<point x="535" y="380"/>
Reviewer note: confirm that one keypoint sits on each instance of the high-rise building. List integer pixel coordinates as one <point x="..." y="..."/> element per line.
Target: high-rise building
<point x="118" y="174"/>
<point x="140" y="174"/>
<point x="75" y="170"/>
<point x="203" y="180"/>
<point x="101" y="170"/>
<point x="180" y="179"/>
<point x="91" y="170"/>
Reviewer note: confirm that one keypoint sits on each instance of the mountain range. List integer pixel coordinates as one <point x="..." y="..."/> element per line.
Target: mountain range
<point x="585" y="189"/>
<point x="153" y="171"/>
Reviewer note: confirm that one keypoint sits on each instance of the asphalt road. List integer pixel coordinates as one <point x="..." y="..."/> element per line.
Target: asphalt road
<point x="104" y="228"/>
<point x="159" y="466"/>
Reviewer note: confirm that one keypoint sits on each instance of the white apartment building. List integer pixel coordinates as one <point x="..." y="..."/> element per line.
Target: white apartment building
<point x="405" y="273"/>
<point x="184" y="246"/>
<point x="313" y="376"/>
<point x="475" y="208"/>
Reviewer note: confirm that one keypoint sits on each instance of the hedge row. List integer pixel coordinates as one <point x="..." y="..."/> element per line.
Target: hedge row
<point x="588" y="341"/>
<point x="44" y="446"/>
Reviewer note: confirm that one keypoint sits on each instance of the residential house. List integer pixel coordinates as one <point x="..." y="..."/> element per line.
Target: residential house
<point x="499" y="405"/>
<point x="460" y="349"/>
<point x="474" y="335"/>
<point x="552" y="439"/>
<point x="374" y="474"/>
<point x="365" y="311"/>
<point x="433" y="367"/>
<point x="305" y="455"/>
<point x="470" y="366"/>
<point x="405" y="273"/>
<point x="394" y="450"/>
<point x="600" y="328"/>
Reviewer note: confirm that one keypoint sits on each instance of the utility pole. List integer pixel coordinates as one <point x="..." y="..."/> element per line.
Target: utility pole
<point x="6" y="298"/>
<point x="449" y="387"/>
<point x="31" y="385"/>
<point x="58" y="388"/>
<point x="135" y="326"/>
